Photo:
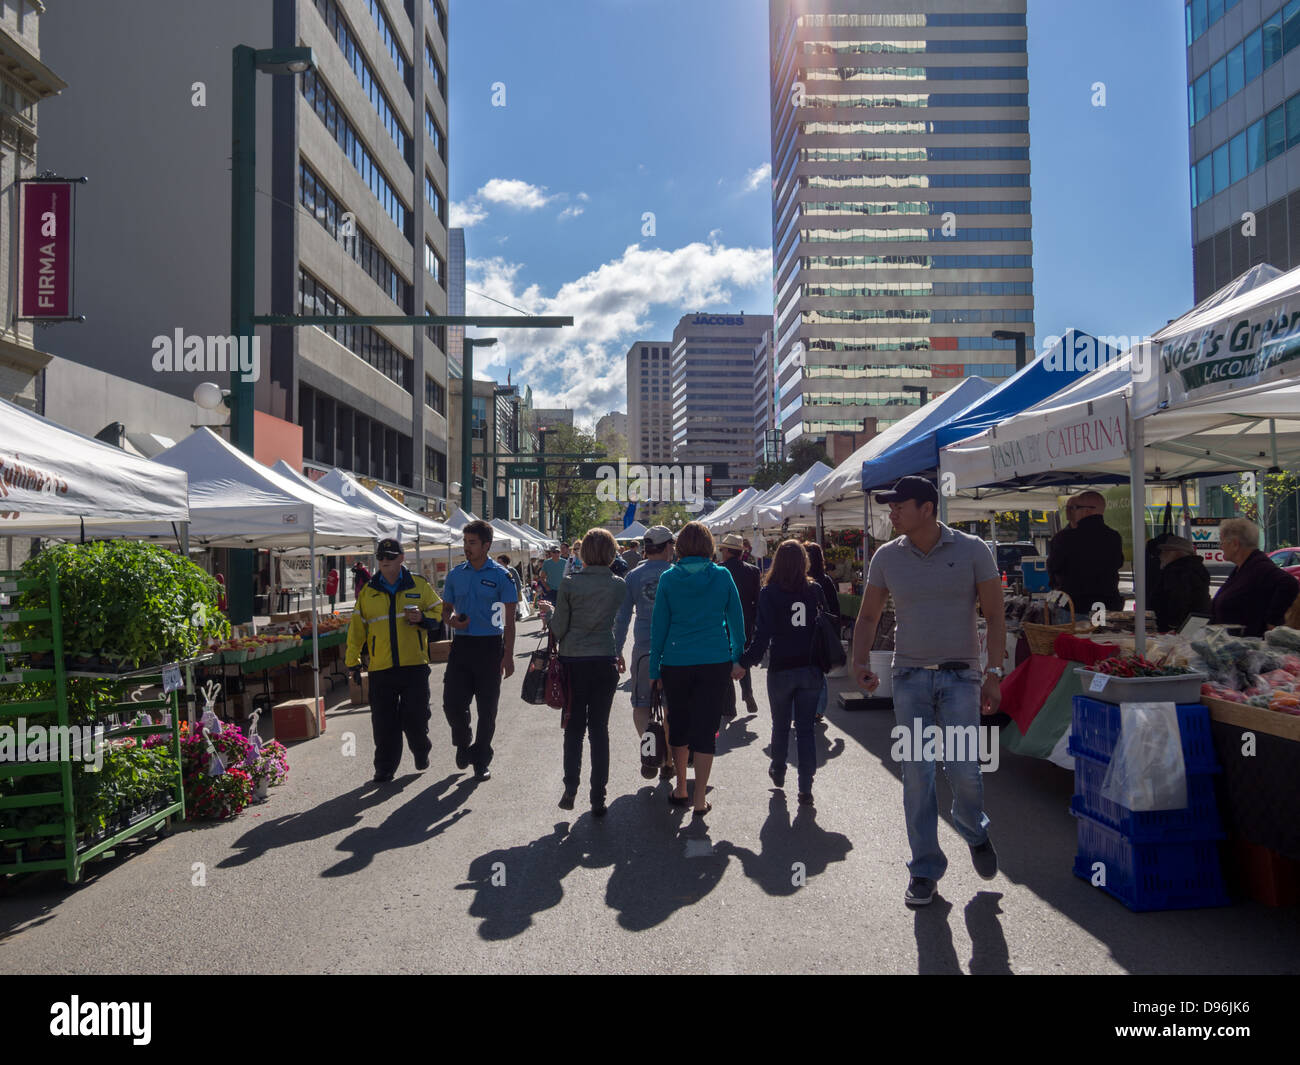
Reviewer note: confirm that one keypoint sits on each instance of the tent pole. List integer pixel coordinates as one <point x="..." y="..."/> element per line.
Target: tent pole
<point x="1137" y="502"/>
<point x="1187" y="521"/>
<point x="315" y="628"/>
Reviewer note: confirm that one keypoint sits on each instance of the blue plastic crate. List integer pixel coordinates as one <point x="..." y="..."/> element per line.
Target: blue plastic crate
<point x="1095" y="731"/>
<point x="1198" y="820"/>
<point x="1181" y="875"/>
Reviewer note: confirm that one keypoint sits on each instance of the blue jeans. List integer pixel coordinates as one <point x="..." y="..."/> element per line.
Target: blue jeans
<point x="821" y="699"/>
<point x="793" y="692"/>
<point x="925" y="697"/>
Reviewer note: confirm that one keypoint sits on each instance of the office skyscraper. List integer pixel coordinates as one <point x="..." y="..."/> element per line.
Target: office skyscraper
<point x="649" y="402"/>
<point x="901" y="203"/>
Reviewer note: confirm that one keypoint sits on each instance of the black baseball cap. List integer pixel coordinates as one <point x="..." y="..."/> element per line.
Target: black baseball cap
<point x="916" y="488"/>
<point x="388" y="547"/>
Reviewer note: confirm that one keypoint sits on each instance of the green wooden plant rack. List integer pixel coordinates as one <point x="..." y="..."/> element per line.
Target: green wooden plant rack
<point x="55" y="843"/>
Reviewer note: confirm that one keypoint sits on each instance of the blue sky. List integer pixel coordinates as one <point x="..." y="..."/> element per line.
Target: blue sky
<point x="616" y="108"/>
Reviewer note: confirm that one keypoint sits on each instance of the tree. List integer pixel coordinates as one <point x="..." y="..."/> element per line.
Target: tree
<point x="570" y="501"/>
<point x="1278" y="489"/>
<point x="770" y="473"/>
<point x="805" y="453"/>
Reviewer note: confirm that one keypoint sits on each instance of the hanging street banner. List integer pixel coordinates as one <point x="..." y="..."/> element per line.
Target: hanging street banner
<point x="45" y="210"/>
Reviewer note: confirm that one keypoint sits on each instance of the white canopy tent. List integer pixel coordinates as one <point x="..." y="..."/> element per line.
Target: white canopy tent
<point x="545" y="540"/>
<point x="716" y="519"/>
<point x="401" y="521"/>
<point x="56" y="482"/>
<point x="506" y="538"/>
<point x="772" y="515"/>
<point x="744" y="518"/>
<point x="635" y="531"/>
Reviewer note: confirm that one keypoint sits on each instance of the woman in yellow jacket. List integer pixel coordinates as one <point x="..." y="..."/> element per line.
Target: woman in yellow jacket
<point x="392" y="620"/>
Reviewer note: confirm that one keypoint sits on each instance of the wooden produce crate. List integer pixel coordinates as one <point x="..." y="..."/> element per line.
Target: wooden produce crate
<point x="1287" y="726"/>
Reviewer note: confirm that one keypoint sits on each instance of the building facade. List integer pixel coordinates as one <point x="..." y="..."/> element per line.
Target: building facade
<point x="713" y="393"/>
<point x="766" y="431"/>
<point x="1243" y="113"/>
<point x="351" y="208"/>
<point x="901" y="203"/>
<point x="649" y="402"/>
<point x="24" y="82"/>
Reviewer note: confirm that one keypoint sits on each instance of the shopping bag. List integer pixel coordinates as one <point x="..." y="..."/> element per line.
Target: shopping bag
<point x="557" y="679"/>
<point x="827" y="651"/>
<point x="654" y="749"/>
<point x="534" y="692"/>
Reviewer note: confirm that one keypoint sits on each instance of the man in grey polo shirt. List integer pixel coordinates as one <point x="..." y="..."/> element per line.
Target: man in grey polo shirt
<point x="936" y="575"/>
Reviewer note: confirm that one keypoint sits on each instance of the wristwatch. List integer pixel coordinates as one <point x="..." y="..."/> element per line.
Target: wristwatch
<point x="995" y="671"/>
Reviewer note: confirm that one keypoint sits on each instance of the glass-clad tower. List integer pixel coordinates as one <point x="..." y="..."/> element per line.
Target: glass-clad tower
<point x="901" y="203"/>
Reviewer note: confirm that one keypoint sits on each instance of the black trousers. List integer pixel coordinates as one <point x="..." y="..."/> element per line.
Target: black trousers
<point x="746" y="690"/>
<point x="592" y="686"/>
<point x="399" y="703"/>
<point x="473" y="673"/>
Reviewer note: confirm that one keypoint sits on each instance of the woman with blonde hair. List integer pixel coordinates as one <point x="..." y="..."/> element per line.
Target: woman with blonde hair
<point x="787" y="612"/>
<point x="697" y="635"/>
<point x="583" y="622"/>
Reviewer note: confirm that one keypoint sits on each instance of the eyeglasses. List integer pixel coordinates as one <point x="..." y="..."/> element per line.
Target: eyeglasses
<point x="1079" y="506"/>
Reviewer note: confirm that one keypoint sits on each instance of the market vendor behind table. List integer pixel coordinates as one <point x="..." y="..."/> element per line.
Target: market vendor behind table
<point x="1181" y="586"/>
<point x="1084" y="559"/>
<point x="1258" y="593"/>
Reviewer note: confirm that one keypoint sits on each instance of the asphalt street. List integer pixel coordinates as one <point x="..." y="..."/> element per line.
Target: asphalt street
<point x="439" y="873"/>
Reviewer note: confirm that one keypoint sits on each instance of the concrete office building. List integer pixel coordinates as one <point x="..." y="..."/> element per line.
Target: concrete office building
<point x="351" y="210"/>
<point x="649" y="402"/>
<point x="765" y="400"/>
<point x="713" y="393"/>
<point x="24" y="81"/>
<point x="455" y="300"/>
<point x="1243" y="103"/>
<point x="901" y="203"/>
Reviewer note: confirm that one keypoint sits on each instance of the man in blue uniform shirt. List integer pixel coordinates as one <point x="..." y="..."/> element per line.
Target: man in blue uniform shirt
<point x="479" y="597"/>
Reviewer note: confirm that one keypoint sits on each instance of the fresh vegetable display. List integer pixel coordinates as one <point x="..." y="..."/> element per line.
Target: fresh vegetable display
<point x="1262" y="673"/>
<point x="1137" y="666"/>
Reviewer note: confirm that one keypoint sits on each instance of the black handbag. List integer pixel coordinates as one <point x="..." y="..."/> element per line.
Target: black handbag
<point x="827" y="651"/>
<point x="535" y="675"/>
<point x="654" y="748"/>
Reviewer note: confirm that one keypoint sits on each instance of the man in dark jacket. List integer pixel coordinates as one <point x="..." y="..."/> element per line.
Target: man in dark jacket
<point x="1084" y="560"/>
<point x="1259" y="592"/>
<point x="747" y="584"/>
<point x="1180" y="587"/>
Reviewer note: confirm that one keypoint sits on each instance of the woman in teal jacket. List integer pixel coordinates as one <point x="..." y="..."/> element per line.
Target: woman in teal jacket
<point x="697" y="635"/>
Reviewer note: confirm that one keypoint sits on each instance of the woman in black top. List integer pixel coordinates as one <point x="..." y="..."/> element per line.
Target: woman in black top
<point x="817" y="571"/>
<point x="787" y="610"/>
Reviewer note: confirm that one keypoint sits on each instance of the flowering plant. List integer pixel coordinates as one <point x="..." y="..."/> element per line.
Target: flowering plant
<point x="225" y="794"/>
<point x="272" y="764"/>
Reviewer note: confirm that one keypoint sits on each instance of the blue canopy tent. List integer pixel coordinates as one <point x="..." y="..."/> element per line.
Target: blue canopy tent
<point x="1074" y="355"/>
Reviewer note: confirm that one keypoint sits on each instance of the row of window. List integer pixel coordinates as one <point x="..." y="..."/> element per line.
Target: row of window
<point x="439" y="17"/>
<point x="908" y="47"/>
<point x="921" y="99"/>
<point x="982" y="18"/>
<point x="846" y="344"/>
<point x="435" y="199"/>
<point x="909" y="155"/>
<point x="819" y="207"/>
<point x="434" y="264"/>
<point x="327" y="109"/>
<point x="435" y="469"/>
<point x="314" y="298"/>
<point x="841" y="129"/>
<point x="1262" y="140"/>
<point x="338" y="435"/>
<point x="852" y="371"/>
<point x="435" y="396"/>
<point x="328" y="211"/>
<point x="913" y="74"/>
<point x="913" y="181"/>
<point x="437" y="333"/>
<point x="1241" y="65"/>
<point x="862" y="399"/>
<point x="435" y="70"/>
<point x="963" y="316"/>
<point x="924" y="288"/>
<point x="434" y="131"/>
<point x="391" y="41"/>
<point x="933" y="262"/>
<point x="850" y="236"/>
<point x="347" y="42"/>
<point x="1200" y="15"/>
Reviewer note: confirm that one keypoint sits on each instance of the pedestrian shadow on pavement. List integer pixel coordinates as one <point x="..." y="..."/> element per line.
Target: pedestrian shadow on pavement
<point x="426" y="814"/>
<point x="989" y="953"/>
<point x="654" y="870"/>
<point x="791" y="852"/>
<point x="935" y="953"/>
<point x="334" y="815"/>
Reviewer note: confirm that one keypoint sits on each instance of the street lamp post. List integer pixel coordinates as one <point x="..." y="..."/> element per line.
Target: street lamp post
<point x="1019" y="338"/>
<point x="243" y="264"/>
<point x="467" y="417"/>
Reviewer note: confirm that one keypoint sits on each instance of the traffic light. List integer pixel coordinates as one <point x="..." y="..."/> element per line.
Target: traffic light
<point x="708" y="486"/>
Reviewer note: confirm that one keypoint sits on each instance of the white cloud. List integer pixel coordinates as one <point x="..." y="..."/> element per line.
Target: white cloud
<point x="758" y="177"/>
<point x="466" y="214"/>
<point x="583" y="196"/>
<point x="582" y="366"/>
<point x="570" y="212"/>
<point x="514" y="193"/>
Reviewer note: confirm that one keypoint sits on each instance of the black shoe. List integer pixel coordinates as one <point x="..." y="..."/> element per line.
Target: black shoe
<point x="598" y="808"/>
<point x="566" y="800"/>
<point x="805" y="798"/>
<point x="648" y="771"/>
<point x="462" y="757"/>
<point x="667" y="771"/>
<point x="920" y="891"/>
<point x="483" y="774"/>
<point x="985" y="860"/>
<point x="382" y="778"/>
<point x="777" y="775"/>
<point x="422" y="761"/>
